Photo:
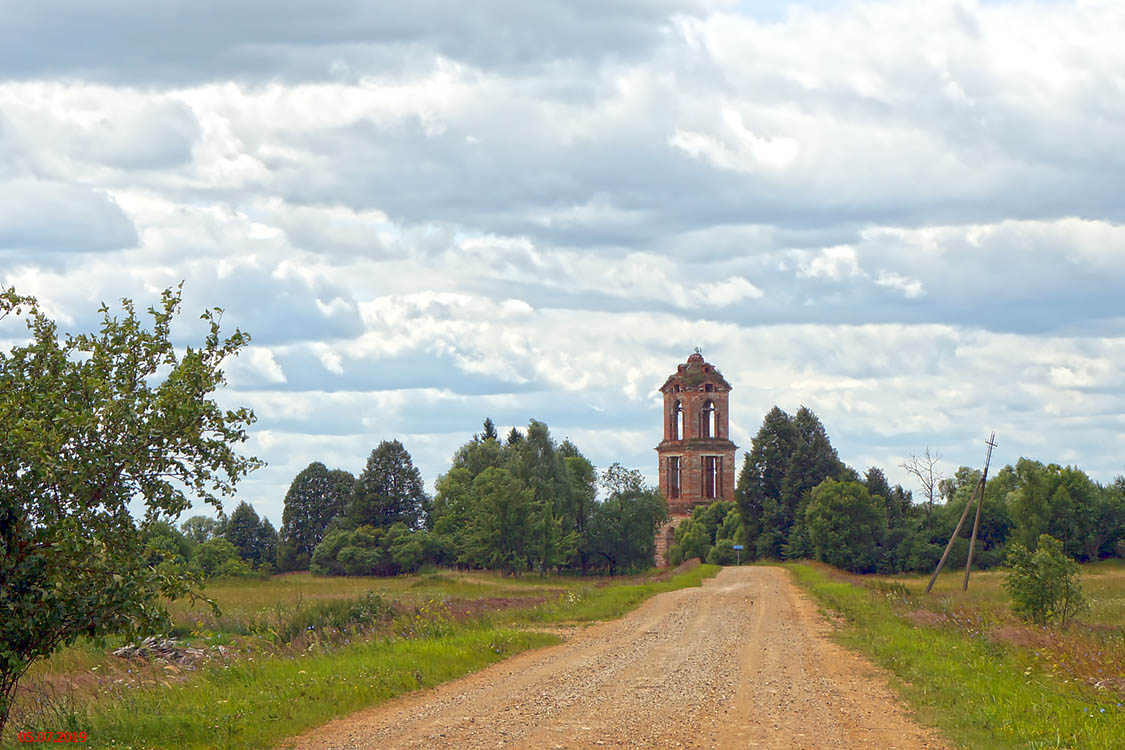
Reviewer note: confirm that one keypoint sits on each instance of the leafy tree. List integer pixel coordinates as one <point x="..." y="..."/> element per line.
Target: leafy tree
<point x="199" y="529"/>
<point x="499" y="531"/>
<point x="722" y="553"/>
<point x="218" y="558"/>
<point x="1044" y="584"/>
<point x="477" y="455"/>
<point x="876" y="482"/>
<point x="89" y="423"/>
<point x="623" y="526"/>
<point x="1111" y="520"/>
<point x="537" y="463"/>
<point x="582" y="486"/>
<point x="844" y="525"/>
<point x="166" y="544"/>
<point x="325" y="558"/>
<point x="389" y="490"/>
<point x="692" y="540"/>
<point x="1061" y="502"/>
<point x="453" y="510"/>
<point x="315" y="497"/>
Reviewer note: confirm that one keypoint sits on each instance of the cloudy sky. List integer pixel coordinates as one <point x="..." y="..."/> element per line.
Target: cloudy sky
<point x="906" y="215"/>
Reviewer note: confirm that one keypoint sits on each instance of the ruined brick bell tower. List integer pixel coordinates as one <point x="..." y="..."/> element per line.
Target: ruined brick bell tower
<point x="696" y="455"/>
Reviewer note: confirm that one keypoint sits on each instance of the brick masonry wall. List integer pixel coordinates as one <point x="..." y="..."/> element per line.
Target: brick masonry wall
<point x="689" y="386"/>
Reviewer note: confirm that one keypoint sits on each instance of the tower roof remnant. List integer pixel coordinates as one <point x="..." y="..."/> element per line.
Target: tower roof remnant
<point x="694" y="373"/>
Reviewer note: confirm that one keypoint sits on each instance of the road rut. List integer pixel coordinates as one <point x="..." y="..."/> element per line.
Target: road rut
<point x="742" y="662"/>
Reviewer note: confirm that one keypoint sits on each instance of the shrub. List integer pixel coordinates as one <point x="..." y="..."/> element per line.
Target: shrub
<point x="723" y="553"/>
<point x="1044" y="584"/>
<point x="218" y="558"/>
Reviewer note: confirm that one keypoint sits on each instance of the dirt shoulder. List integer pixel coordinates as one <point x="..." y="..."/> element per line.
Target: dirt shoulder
<point x="742" y="662"/>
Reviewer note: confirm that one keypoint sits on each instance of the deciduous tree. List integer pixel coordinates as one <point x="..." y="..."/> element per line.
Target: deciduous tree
<point x="315" y="497"/>
<point x="389" y="490"/>
<point x="88" y="424"/>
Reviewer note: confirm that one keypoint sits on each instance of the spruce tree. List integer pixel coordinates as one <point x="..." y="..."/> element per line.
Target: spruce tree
<point x="243" y="532"/>
<point x="763" y="473"/>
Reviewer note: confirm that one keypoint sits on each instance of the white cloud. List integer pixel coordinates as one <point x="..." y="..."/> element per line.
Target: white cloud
<point x="908" y="287"/>
<point x="901" y="214"/>
<point x="834" y="263"/>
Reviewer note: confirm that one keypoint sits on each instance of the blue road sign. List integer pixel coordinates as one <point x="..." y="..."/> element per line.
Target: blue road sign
<point x="737" y="546"/>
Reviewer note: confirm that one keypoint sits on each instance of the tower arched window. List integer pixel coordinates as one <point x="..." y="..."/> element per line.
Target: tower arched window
<point x="677" y="421"/>
<point x="709" y="420"/>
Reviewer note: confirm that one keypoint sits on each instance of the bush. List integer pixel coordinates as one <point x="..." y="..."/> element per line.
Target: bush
<point x="723" y="553"/>
<point x="217" y="558"/>
<point x="1044" y="584"/>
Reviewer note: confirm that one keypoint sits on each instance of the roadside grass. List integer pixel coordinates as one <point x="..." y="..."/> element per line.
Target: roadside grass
<point x="255" y="697"/>
<point x="979" y="689"/>
<point x="255" y="703"/>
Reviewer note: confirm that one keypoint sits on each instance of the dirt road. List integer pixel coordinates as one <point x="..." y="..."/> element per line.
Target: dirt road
<point x="743" y="662"/>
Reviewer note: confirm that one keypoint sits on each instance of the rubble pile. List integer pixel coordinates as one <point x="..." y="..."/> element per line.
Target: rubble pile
<point x="167" y="650"/>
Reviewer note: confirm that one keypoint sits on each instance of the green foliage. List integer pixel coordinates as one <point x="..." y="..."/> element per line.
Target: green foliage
<point x="1061" y="502"/>
<point x="844" y="525"/>
<point x="1044" y="584"/>
<point x="201" y="528"/>
<point x="389" y="490"/>
<point x="315" y="497"/>
<point x="489" y="431"/>
<point x="218" y="558"/>
<point x="716" y="525"/>
<point x="788" y="457"/>
<point x="88" y="423"/>
<point x="722" y="553"/>
<point x="499" y="531"/>
<point x="370" y="551"/>
<point x="622" y="529"/>
<point x="255" y="538"/>
<point x="529" y="504"/>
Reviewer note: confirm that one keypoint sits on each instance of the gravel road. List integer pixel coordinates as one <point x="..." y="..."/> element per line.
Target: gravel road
<point x="742" y="662"/>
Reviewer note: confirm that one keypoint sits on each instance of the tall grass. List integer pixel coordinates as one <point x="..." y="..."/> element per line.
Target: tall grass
<point x="983" y="693"/>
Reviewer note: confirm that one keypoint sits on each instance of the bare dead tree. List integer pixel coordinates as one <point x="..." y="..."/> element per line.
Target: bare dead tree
<point x="924" y="468"/>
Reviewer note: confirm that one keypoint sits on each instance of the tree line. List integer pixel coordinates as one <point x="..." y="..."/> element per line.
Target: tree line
<point x="521" y="503"/>
<point x="795" y="498"/>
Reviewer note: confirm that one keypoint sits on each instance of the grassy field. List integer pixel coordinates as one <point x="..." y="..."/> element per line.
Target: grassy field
<point x="972" y="669"/>
<point x="291" y="652"/>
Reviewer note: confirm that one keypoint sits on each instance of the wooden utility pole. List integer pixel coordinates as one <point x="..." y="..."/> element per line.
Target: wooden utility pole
<point x="965" y="514"/>
<point x="980" y="503"/>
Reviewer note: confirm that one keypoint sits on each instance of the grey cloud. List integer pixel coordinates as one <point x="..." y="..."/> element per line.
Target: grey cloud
<point x="180" y="41"/>
<point x="153" y="136"/>
<point x="44" y="216"/>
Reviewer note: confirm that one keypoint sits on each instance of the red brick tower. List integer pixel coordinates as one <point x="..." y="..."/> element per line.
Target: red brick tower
<point x="696" y="455"/>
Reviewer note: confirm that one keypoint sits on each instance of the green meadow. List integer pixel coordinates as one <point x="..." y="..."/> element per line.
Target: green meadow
<point x="970" y="668"/>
